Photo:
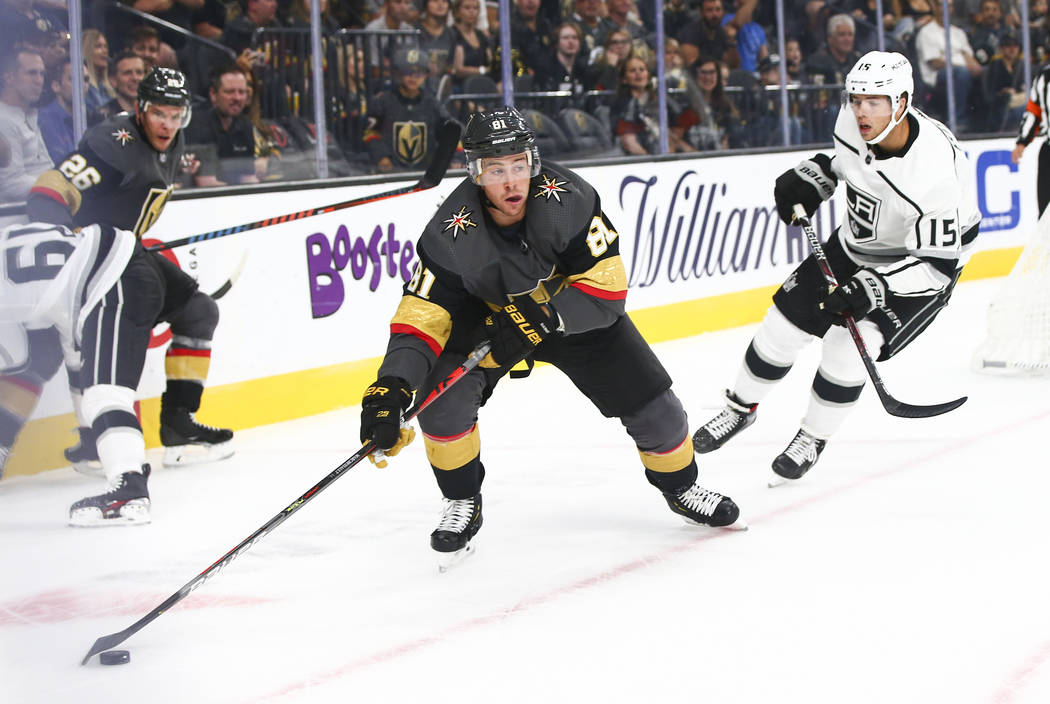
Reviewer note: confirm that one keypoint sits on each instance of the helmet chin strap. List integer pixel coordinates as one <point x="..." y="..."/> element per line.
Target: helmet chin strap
<point x="894" y="121"/>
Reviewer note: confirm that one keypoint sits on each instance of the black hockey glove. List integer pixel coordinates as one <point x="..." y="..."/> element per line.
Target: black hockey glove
<point x="810" y="183"/>
<point x="857" y="297"/>
<point x="381" y="410"/>
<point x="517" y="329"/>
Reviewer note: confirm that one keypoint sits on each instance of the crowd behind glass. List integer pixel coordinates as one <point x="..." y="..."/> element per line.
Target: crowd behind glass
<point x="585" y="72"/>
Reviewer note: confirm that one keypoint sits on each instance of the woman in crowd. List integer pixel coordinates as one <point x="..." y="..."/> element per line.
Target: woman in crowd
<point x="472" y="54"/>
<point x="635" y="113"/>
<point x="715" y="123"/>
<point x="96" y="65"/>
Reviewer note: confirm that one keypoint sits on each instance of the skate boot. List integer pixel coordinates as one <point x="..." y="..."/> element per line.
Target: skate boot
<point x="797" y="459"/>
<point x="188" y="442"/>
<point x="460" y="522"/>
<point x="84" y="455"/>
<point x="708" y="508"/>
<point x="735" y="417"/>
<point x="126" y="502"/>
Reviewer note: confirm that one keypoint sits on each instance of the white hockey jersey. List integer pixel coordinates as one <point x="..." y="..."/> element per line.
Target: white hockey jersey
<point x="53" y="276"/>
<point x="906" y="215"/>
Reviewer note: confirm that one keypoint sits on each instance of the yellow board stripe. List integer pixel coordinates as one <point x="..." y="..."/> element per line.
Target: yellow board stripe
<point x="454" y="453"/>
<point x="253" y="403"/>
<point x="676" y="459"/>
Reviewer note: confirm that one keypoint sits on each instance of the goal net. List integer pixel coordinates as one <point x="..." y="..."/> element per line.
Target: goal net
<point x="1019" y="316"/>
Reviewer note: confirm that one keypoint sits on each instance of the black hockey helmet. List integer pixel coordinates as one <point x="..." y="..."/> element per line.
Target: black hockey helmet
<point x="497" y="133"/>
<point x="165" y="86"/>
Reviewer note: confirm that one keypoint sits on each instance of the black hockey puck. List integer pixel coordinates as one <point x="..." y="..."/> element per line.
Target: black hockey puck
<point x="115" y="657"/>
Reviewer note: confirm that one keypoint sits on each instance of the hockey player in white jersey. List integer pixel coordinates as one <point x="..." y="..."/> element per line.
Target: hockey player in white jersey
<point x="911" y="221"/>
<point x="90" y="292"/>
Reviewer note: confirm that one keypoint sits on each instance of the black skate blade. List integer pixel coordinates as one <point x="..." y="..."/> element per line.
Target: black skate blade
<point x="449" y="560"/>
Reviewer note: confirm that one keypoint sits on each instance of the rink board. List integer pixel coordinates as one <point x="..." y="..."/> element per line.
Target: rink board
<point x="305" y="324"/>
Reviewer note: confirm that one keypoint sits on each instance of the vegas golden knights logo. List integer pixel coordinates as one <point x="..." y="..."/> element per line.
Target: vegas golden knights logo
<point x="410" y="141"/>
<point x="152" y="208"/>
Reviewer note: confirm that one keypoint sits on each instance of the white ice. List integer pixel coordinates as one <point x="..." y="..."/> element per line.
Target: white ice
<point x="911" y="565"/>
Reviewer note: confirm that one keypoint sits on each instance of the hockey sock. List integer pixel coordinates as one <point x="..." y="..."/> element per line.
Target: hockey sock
<point x="769" y="357"/>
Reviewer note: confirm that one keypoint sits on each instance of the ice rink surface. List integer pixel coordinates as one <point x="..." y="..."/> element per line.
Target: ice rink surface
<point x="910" y="565"/>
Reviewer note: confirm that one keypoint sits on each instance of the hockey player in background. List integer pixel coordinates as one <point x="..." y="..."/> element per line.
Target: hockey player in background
<point x="522" y="255"/>
<point x="910" y="223"/>
<point x="401" y="132"/>
<point x="122" y="174"/>
<point x="91" y="296"/>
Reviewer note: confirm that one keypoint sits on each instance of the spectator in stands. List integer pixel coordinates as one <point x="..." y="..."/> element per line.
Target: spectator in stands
<point x="299" y="16"/>
<point x="830" y="65"/>
<point x="617" y="16"/>
<point x="748" y="36"/>
<point x="606" y="70"/>
<point x="56" y="118"/>
<point x="177" y="12"/>
<point x="530" y="33"/>
<point x="397" y="14"/>
<point x="144" y="41"/>
<point x="587" y="14"/>
<point x="793" y="61"/>
<point x="255" y="14"/>
<point x="987" y="32"/>
<point x="713" y="100"/>
<point x="1004" y="88"/>
<point x="677" y="14"/>
<point x="766" y="127"/>
<point x="635" y="113"/>
<point x="222" y="135"/>
<point x="1038" y="31"/>
<point x="472" y="55"/>
<point x="209" y="20"/>
<point x="912" y="16"/>
<point x="22" y="74"/>
<point x="936" y="70"/>
<point x="566" y="68"/>
<point x="128" y="71"/>
<point x="706" y="35"/>
<point x="674" y="65"/>
<point x="403" y="123"/>
<point x="20" y="21"/>
<point x="436" y="37"/>
<point x="96" y="66"/>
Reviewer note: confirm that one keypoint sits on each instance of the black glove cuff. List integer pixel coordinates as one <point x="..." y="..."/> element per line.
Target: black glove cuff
<point x="388" y="390"/>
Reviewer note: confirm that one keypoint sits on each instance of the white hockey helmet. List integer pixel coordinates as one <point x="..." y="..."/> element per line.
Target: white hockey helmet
<point x="882" y="73"/>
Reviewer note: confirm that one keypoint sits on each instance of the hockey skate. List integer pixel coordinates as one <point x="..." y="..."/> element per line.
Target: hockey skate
<point x="453" y="538"/>
<point x="188" y="442"/>
<point x="800" y="455"/>
<point x="716" y="432"/>
<point x="84" y="455"/>
<point x="708" y="508"/>
<point x="126" y="502"/>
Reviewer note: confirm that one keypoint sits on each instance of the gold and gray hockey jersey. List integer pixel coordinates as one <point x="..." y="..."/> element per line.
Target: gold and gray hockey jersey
<point x="565" y="251"/>
<point x="911" y="216"/>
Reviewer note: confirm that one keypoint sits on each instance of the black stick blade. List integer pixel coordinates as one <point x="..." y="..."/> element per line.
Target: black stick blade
<point x="448" y="140"/>
<point x="907" y="410"/>
<point x="105" y="643"/>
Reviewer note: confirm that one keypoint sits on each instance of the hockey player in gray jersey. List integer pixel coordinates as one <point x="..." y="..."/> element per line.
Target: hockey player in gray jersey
<point x="910" y="224"/>
<point x="522" y="255"/>
<point x="93" y="294"/>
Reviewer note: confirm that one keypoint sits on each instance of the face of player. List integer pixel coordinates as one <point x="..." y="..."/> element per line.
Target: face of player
<point x="232" y="95"/>
<point x="568" y="41"/>
<point x="26" y="81"/>
<point x="505" y="180"/>
<point x="148" y="49"/>
<point x="872" y="113"/>
<point x="130" y="73"/>
<point x="160" y="124"/>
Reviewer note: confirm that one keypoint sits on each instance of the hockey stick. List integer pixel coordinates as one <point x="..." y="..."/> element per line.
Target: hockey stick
<point x="228" y="284"/>
<point x="448" y="139"/>
<point x="106" y="642"/>
<point x="892" y="405"/>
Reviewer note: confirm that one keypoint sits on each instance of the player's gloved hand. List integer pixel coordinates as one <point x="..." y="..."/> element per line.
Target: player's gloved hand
<point x="517" y="329"/>
<point x="857" y="297"/>
<point x="810" y="183"/>
<point x="381" y="409"/>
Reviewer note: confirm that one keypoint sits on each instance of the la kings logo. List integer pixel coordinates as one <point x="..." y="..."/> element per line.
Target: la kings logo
<point x="863" y="213"/>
